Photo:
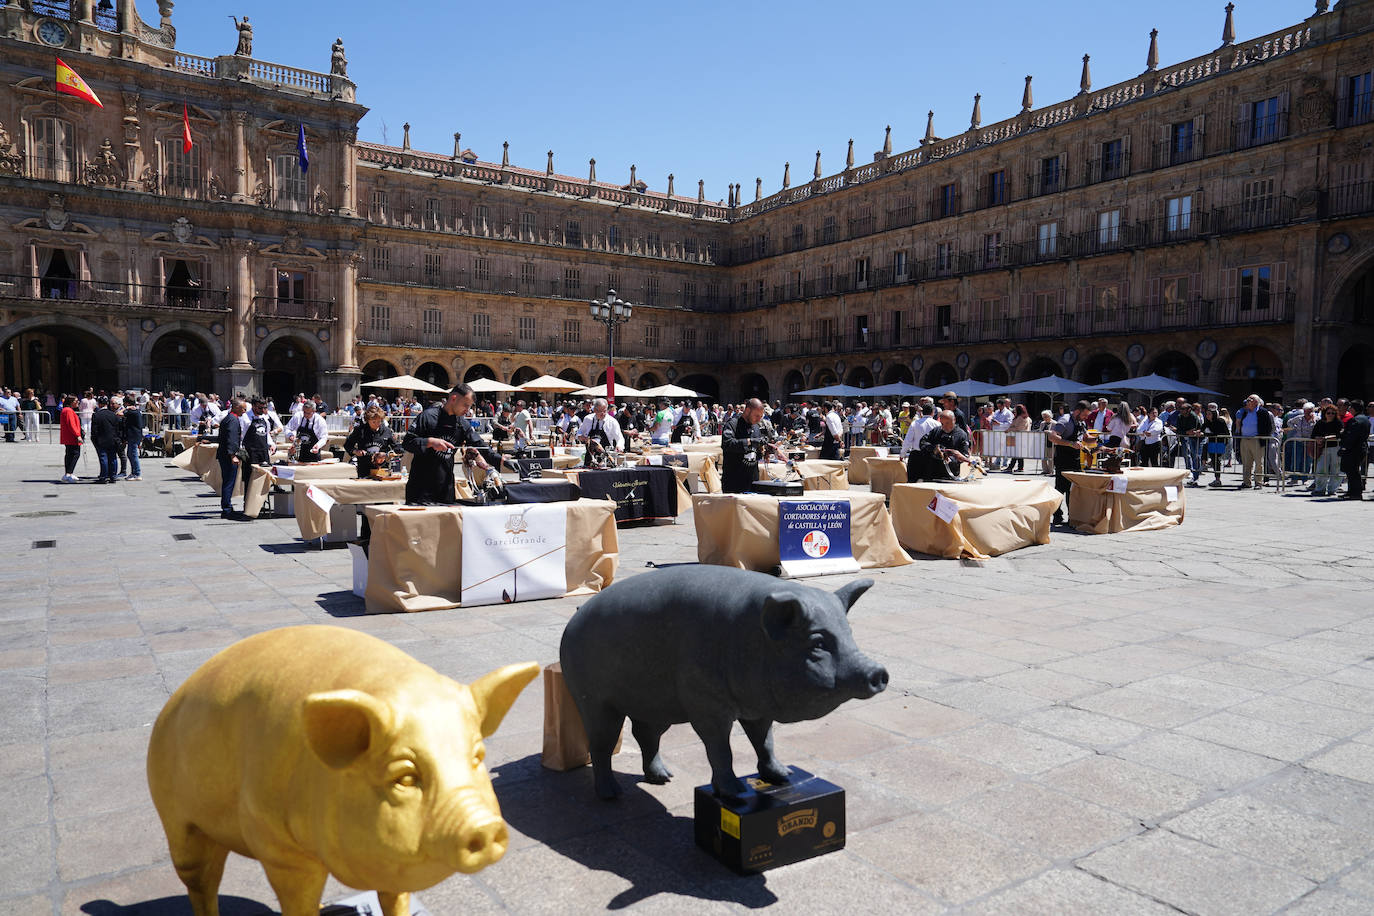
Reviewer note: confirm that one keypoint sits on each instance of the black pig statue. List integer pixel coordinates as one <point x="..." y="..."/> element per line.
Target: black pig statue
<point x="710" y="646"/>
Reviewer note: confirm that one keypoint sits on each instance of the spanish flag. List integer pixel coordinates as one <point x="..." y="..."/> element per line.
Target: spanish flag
<point x="185" y="129"/>
<point x="71" y="84"/>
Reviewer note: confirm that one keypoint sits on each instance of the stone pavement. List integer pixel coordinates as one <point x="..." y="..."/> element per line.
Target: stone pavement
<point x="1144" y="723"/>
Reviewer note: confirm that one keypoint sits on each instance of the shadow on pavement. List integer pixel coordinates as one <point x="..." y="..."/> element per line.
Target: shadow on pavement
<point x="634" y="837"/>
<point x="176" y="906"/>
<point x="341" y="604"/>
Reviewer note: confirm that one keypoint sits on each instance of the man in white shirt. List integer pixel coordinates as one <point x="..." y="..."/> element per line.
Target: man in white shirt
<point x="911" y="445"/>
<point x="310" y="430"/>
<point x="204" y="411"/>
<point x="602" y="425"/>
<point x="661" y="429"/>
<point x="830" y="448"/>
<point x="522" y="420"/>
<point x="858" y="419"/>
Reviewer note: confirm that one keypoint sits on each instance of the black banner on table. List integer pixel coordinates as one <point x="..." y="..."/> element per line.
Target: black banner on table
<point x="639" y="493"/>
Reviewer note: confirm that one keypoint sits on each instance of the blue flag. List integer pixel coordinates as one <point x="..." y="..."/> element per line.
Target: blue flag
<point x="301" y="150"/>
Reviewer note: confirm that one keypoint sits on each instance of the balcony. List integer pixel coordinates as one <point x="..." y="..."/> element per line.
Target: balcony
<point x="1180" y="150"/>
<point x="114" y="295"/>
<point x="294" y="309"/>
<point x="1108" y="168"/>
<point x="1252" y="132"/>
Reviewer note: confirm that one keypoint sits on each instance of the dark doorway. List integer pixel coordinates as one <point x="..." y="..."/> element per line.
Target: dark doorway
<point x="288" y="369"/>
<point x="379" y="369"/>
<point x="754" y="385"/>
<point x="433" y="373"/>
<point x="706" y="386"/>
<point x="180" y="362"/>
<point x="1355" y="373"/>
<point x="60" y="360"/>
<point x="184" y="284"/>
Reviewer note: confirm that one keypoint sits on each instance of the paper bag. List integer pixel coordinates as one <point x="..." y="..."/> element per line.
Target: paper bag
<point x="565" y="738"/>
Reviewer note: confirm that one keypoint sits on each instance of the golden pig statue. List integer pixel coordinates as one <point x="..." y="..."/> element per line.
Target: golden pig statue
<point x="319" y="750"/>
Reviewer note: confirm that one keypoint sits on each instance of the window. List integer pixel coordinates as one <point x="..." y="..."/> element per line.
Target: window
<point x="992" y="315"/>
<point x="1045" y="304"/>
<point x="828" y="230"/>
<point x="651" y="291"/>
<point x="613" y="236"/>
<point x="759" y="289"/>
<point x="381" y="260"/>
<point x="944" y="322"/>
<point x="527" y="230"/>
<point x="863" y="223"/>
<point x="1254" y="288"/>
<point x="1051" y="174"/>
<point x="432" y="323"/>
<point x="434" y="264"/>
<point x="902" y="214"/>
<point x="431" y="212"/>
<point x="861" y="330"/>
<point x="1178" y="214"/>
<point x="1108" y="228"/>
<point x="1257" y="202"/>
<point x="824" y="330"/>
<point x="689" y="248"/>
<point x="480" y="215"/>
<point x="54" y="150"/>
<point x="572" y="233"/>
<point x="1181" y="142"/>
<point x="527" y="273"/>
<point x="761" y="246"/>
<point x="992" y="249"/>
<point x="1355" y="106"/>
<point x="290" y="188"/>
<point x="712" y="342"/>
<point x="1106" y="304"/>
<point x="652" y="242"/>
<point x="1266" y="121"/>
<point x="181" y="176"/>
<point x="760" y="336"/>
<point x="689" y="293"/>
<point x="380" y="319"/>
<point x="688" y="338"/>
<point x="996" y="188"/>
<point x="291" y="286"/>
<point x="1174" y="291"/>
<point x="894" y="326"/>
<point x="861" y="271"/>
<point x="827" y="278"/>
<point x="572" y="282"/>
<point x="944" y="257"/>
<point x="1047" y="239"/>
<point x="794" y="331"/>
<point x="949" y="199"/>
<point x="798" y="236"/>
<point x="481" y="325"/>
<point x="378" y="205"/>
<point x="481" y="270"/>
<point x="899" y="265"/>
<point x="651" y="336"/>
<point x="572" y="331"/>
<point x="1113" y="159"/>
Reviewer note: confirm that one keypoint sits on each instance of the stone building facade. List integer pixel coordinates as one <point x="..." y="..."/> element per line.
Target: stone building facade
<point x="1209" y="220"/>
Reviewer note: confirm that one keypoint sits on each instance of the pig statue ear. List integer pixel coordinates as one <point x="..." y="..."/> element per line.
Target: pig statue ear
<point x="781" y="612"/>
<point x="341" y="726"/>
<point x="852" y="591"/>
<point x="494" y="693"/>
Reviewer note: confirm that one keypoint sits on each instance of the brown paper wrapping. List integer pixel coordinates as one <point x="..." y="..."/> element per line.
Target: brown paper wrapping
<point x="565" y="737"/>
<point x="824" y="475"/>
<point x="261" y="480"/>
<point x="858" y="470"/>
<point x="314" y="521"/>
<point x="1094" y="509"/>
<point x="885" y="473"/>
<point x="995" y="516"/>
<point x="415" y="557"/>
<point x="741" y="530"/>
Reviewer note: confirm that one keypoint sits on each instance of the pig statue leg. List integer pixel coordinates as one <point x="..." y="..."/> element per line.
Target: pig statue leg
<point x="394" y="904"/>
<point x="298" y="888"/>
<point x="648" y="736"/>
<point x="199" y="862"/>
<point x="603" y="728"/>
<point x="760" y="732"/>
<point x="715" y="734"/>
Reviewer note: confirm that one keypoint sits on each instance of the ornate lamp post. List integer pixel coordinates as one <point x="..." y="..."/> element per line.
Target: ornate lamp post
<point x="610" y="311"/>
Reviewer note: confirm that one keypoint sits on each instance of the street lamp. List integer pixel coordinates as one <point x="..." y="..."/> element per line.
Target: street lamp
<point x="610" y="311"/>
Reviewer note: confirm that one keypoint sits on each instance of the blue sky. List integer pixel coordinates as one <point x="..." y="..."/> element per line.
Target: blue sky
<point x="723" y="91"/>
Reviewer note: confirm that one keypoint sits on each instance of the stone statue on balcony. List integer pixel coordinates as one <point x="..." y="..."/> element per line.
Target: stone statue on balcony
<point x="245" y="48"/>
<point x="105" y="169"/>
<point x="9" y="159"/>
<point x="338" y="63"/>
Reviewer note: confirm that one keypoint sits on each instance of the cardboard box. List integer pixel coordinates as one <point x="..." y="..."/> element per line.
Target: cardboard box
<point x="565" y="737"/>
<point x="771" y="825"/>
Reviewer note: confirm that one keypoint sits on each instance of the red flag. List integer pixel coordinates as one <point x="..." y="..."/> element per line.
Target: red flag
<point x="185" y="129"/>
<point x="610" y="384"/>
<point x="67" y="81"/>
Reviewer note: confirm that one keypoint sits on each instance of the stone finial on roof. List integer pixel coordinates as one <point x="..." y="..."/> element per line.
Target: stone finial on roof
<point x="849" y="157"/>
<point x="976" y="121"/>
<point x="1152" y="56"/>
<point x="457" y="144"/>
<point x="817" y="173"/>
<point x="1323" y="6"/>
<point x="887" y="141"/>
<point x="701" y="190"/>
<point x="505" y="154"/>
<point x="1027" y="100"/>
<point x="405" y="138"/>
<point x="930" y="128"/>
<point x="1228" y="28"/>
<point x="670" y="184"/>
<point x="549" y="169"/>
<point x="591" y="171"/>
<point x="758" y="189"/>
<point x="1085" y="79"/>
<point x="786" y="175"/>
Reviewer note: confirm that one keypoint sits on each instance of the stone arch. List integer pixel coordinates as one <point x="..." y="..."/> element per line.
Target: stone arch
<point x="320" y="351"/>
<point x="1357" y="271"/>
<point x="572" y="375"/>
<point x="214" y="344"/>
<point x="62" y="354"/>
<point x="1355" y="373"/>
<point x="1252" y="368"/>
<point x="646" y="380"/>
<point x="524" y="374"/>
<point x="824" y="378"/>
<point x="376" y="369"/>
<point x="940" y="375"/>
<point x="899" y="373"/>
<point x="859" y="377"/>
<point x="708" y="386"/>
<point x="1039" y="367"/>
<point x="1175" y="365"/>
<point x="990" y="371"/>
<point x="434" y="373"/>
<point x="753" y="385"/>
<point x="793" y="381"/>
<point x="121" y="352"/>
<point x="479" y="370"/>
<point x="1101" y="368"/>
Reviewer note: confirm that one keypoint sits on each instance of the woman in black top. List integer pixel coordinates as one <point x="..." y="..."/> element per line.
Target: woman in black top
<point x="1217" y="435"/>
<point x="1326" y="431"/>
<point x="371" y="442"/>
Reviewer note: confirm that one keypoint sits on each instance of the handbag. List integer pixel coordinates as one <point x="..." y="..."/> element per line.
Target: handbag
<point x="1216" y="448"/>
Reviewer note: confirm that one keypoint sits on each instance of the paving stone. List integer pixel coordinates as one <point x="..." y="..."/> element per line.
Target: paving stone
<point x="1208" y="763"/>
<point x="1144" y="793"/>
<point x="1067" y="892"/>
<point x="1256" y="736"/>
<point x="1355" y="761"/>
<point x="1081" y="727"/>
<point x="1054" y="825"/>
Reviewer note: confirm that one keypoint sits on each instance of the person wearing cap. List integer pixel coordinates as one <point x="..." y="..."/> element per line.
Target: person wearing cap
<point x="950" y="401"/>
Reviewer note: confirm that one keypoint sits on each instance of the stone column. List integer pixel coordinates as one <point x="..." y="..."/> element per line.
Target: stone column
<point x="240" y="119"/>
<point x="85" y="11"/>
<point x="348" y="171"/>
<point x="346" y="328"/>
<point x="239" y="325"/>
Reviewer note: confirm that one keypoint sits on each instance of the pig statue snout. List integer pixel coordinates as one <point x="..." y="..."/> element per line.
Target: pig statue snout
<point x="475" y="831"/>
<point x="871" y="681"/>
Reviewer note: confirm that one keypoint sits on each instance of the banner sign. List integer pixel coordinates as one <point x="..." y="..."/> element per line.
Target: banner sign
<point x="514" y="553"/>
<point x="639" y="493"/>
<point x="813" y="537"/>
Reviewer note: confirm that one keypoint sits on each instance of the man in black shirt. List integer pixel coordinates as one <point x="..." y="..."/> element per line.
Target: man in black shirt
<point x="433" y="439"/>
<point x="741" y="444"/>
<point x="257" y="438"/>
<point x="1065" y="433"/>
<point x="950" y="401"/>
<point x="1354" y="450"/>
<point x="107" y="429"/>
<point x="940" y="446"/>
<point x="230" y="444"/>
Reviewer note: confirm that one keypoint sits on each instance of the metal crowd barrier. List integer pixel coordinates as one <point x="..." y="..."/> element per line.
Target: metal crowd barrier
<point x="1000" y="447"/>
<point x="21" y="426"/>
